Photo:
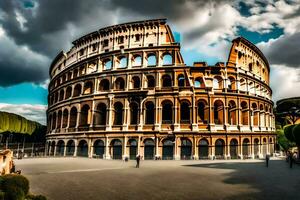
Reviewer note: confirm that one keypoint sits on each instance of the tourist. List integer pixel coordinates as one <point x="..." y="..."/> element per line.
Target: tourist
<point x="291" y="160"/>
<point x="138" y="158"/>
<point x="267" y="160"/>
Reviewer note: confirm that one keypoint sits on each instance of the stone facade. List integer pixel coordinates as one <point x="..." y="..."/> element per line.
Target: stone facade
<point x="125" y="90"/>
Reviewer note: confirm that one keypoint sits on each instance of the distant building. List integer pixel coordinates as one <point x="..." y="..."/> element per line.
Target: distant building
<point x="124" y="90"/>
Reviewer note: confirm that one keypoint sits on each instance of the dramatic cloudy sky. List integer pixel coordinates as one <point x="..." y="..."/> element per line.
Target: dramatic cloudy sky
<point x="32" y="32"/>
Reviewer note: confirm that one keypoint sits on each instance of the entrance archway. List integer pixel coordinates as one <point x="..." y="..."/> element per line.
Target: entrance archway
<point x="70" y="148"/>
<point x="219" y="148"/>
<point x="132" y="149"/>
<point x="186" y="149"/>
<point x="99" y="148"/>
<point x="149" y="149"/>
<point x="60" y="148"/>
<point x="246" y="149"/>
<point x="256" y="147"/>
<point x="168" y="149"/>
<point x="82" y="149"/>
<point x="203" y="149"/>
<point x="116" y="149"/>
<point x="234" y="149"/>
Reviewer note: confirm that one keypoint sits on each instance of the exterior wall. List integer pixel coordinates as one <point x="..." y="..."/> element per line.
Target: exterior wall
<point x="180" y="103"/>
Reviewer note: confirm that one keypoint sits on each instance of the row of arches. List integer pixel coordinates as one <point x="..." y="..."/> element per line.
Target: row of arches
<point x="168" y="148"/>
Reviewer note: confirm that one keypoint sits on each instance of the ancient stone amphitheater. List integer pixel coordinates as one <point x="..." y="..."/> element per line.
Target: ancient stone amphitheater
<point x="124" y="90"/>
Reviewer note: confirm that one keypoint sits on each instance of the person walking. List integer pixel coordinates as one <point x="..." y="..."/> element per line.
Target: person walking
<point x="138" y="158"/>
<point x="267" y="160"/>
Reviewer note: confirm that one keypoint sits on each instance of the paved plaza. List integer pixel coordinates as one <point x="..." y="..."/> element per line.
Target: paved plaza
<point x="93" y="179"/>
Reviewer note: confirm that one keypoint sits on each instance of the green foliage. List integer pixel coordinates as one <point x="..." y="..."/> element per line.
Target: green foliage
<point x="35" y="197"/>
<point x="13" y="123"/>
<point x="14" y="193"/>
<point x="288" y="132"/>
<point x="2" y="195"/>
<point x="14" y="186"/>
<point x="296" y="134"/>
<point x="283" y="142"/>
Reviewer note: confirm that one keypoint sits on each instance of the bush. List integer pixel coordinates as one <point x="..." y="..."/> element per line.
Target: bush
<point x="14" y="186"/>
<point x="14" y="193"/>
<point x="35" y="197"/>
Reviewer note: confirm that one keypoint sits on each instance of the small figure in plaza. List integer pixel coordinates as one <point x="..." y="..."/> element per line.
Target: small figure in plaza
<point x="13" y="167"/>
<point x="138" y="158"/>
<point x="267" y="160"/>
<point x="291" y="160"/>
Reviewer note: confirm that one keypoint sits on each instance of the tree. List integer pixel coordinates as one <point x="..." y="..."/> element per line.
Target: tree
<point x="288" y="111"/>
<point x="288" y="132"/>
<point x="283" y="142"/>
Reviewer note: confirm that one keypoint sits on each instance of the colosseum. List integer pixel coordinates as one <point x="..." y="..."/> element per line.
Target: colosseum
<point x="125" y="90"/>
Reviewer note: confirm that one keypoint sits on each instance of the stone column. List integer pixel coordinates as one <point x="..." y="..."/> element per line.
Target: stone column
<point x="110" y="113"/>
<point x="90" y="148"/>
<point x="156" y="147"/>
<point x="65" y="149"/>
<point x="124" y="147"/>
<point x="107" y="153"/>
<point x="75" y="149"/>
<point x="139" y="145"/>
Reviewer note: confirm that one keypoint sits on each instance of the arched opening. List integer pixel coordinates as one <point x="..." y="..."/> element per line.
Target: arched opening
<point x="60" y="148"/>
<point x="264" y="147"/>
<point x="68" y="92"/>
<point x="52" y="148"/>
<point x="65" y="118"/>
<point x="134" y="113"/>
<point x="122" y="62"/>
<point x="54" y="121"/>
<point x="219" y="149"/>
<point x="231" y="83"/>
<point x="168" y="150"/>
<point x="107" y="65"/>
<point x="218" y="82"/>
<point x="118" y="120"/>
<point x="85" y="115"/>
<point x="185" y="113"/>
<point x="199" y="83"/>
<point x="245" y="115"/>
<point x="104" y="85"/>
<point x="82" y="149"/>
<point x="116" y="149"/>
<point x="256" y="147"/>
<point x="119" y="84"/>
<point x="203" y="149"/>
<point x="150" y="113"/>
<point x="202" y="112"/>
<point x="218" y="112"/>
<point x="167" y="112"/>
<point x="75" y="74"/>
<point x="70" y="148"/>
<point x="132" y="149"/>
<point x="167" y="59"/>
<point x="149" y="149"/>
<point x="233" y="149"/>
<point x="243" y="86"/>
<point x="77" y="90"/>
<point x="136" y="83"/>
<point x="56" y="97"/>
<point x="186" y="149"/>
<point x="255" y="114"/>
<point x="73" y="117"/>
<point x="262" y="115"/>
<point x="88" y="87"/>
<point x="181" y="80"/>
<point x="246" y="149"/>
<point x="99" y="148"/>
<point x="166" y="81"/>
<point x="61" y="95"/>
<point x="137" y="61"/>
<point x="59" y="117"/>
<point x="232" y="113"/>
<point x="150" y="81"/>
<point x="151" y="60"/>
<point x="100" y="114"/>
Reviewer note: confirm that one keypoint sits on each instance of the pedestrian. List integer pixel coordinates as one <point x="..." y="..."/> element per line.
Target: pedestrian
<point x="267" y="160"/>
<point x="291" y="161"/>
<point x="138" y="158"/>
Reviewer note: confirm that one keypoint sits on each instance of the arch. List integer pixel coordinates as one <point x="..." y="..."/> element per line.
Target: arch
<point x="52" y="146"/>
<point x="100" y="114"/>
<point x="136" y="83"/>
<point x="243" y="85"/>
<point x="59" y="117"/>
<point x="82" y="148"/>
<point x="116" y="148"/>
<point x="54" y="121"/>
<point x="218" y="112"/>
<point x="231" y="83"/>
<point x="107" y="64"/>
<point x="149" y="147"/>
<point x="88" y="87"/>
<point x="75" y="73"/>
<point x="168" y="150"/>
<point x="150" y="81"/>
<point x="150" y="113"/>
<point x="203" y="149"/>
<point x="61" y="95"/>
<point x="118" y="117"/>
<point x="70" y="148"/>
<point x="68" y="92"/>
<point x="122" y="62"/>
<point x="119" y="84"/>
<point x="181" y="80"/>
<point x="185" y="112"/>
<point x="232" y="113"/>
<point x="246" y="149"/>
<point x="65" y="118"/>
<point x="77" y="90"/>
<point x="137" y="61"/>
<point x="73" y="117"/>
<point x="199" y="83"/>
<point x="132" y="143"/>
<point x="134" y="113"/>
<point x="256" y="148"/>
<point x="234" y="148"/>
<point x="99" y="148"/>
<point x="104" y="85"/>
<point x="85" y="115"/>
<point x="217" y="82"/>
<point x="166" y="81"/>
<point x="60" y="147"/>
<point x="245" y="113"/>
<point x="219" y="148"/>
<point x="167" y="59"/>
<point x="202" y="112"/>
<point x="167" y="112"/>
<point x="151" y="60"/>
<point x="255" y="114"/>
<point x="186" y="149"/>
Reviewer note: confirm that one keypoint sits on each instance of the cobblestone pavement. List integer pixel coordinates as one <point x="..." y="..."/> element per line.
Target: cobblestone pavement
<point x="92" y="179"/>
